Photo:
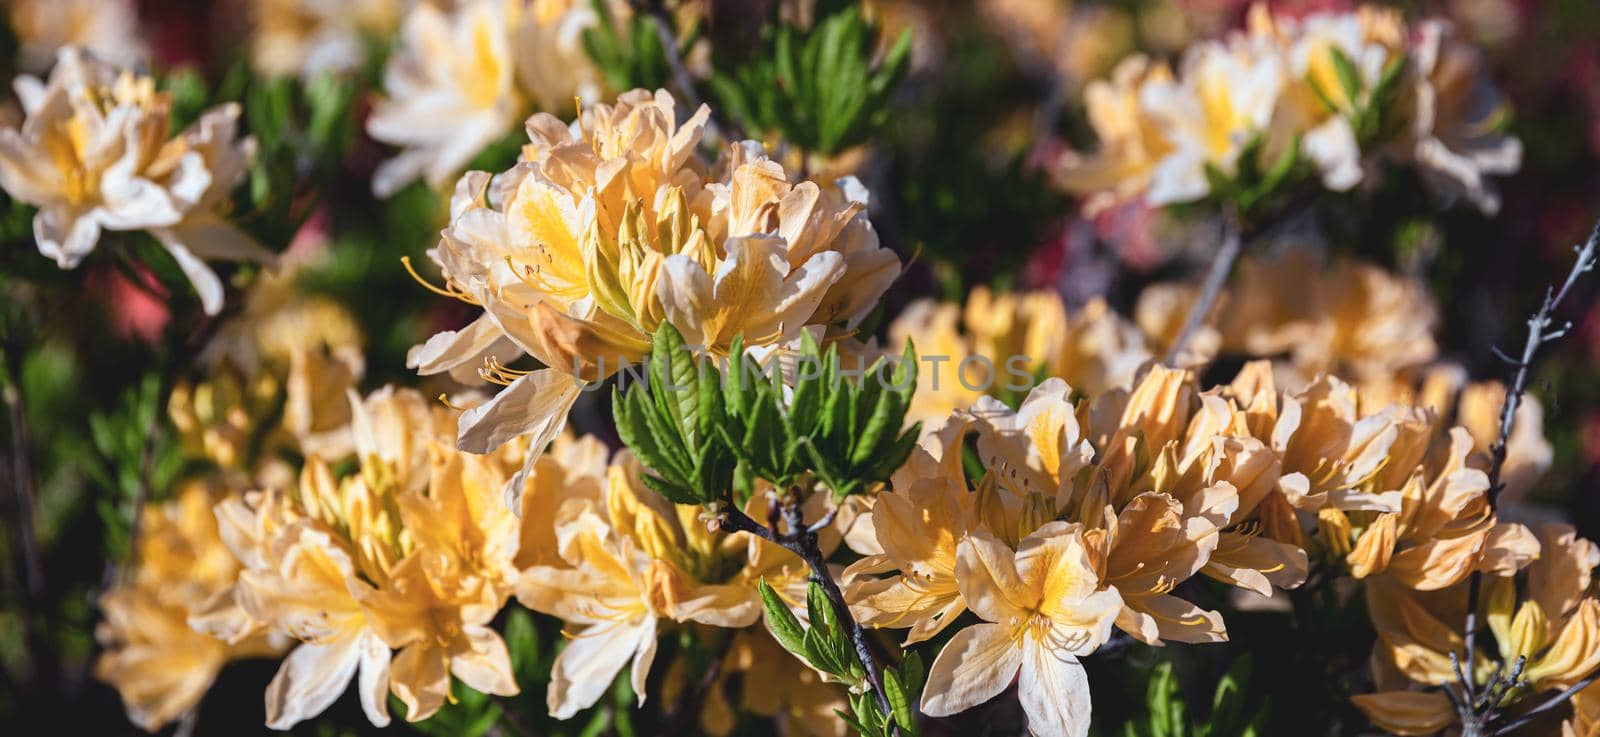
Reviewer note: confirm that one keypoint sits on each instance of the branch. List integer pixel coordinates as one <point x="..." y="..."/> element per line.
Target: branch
<point x="1479" y="708"/>
<point x="1537" y="338"/>
<point x="1221" y="266"/>
<point x="801" y="540"/>
<point x="1549" y="704"/>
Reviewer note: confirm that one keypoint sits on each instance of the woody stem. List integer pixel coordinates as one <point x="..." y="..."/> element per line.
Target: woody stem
<point x="1221" y="266"/>
<point x="802" y="541"/>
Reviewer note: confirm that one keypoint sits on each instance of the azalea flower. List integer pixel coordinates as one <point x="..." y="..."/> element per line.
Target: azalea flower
<point x="93" y="154"/>
<point x="1555" y="627"/>
<point x="107" y="28"/>
<point x="1003" y="342"/>
<point x="159" y="664"/>
<point x="1131" y="143"/>
<point x="311" y="37"/>
<point x="451" y="90"/>
<point x="413" y="553"/>
<point x="1457" y="135"/>
<point x="609" y="228"/>
<point x="602" y="593"/>
<point x="1225" y="95"/>
<point x="1042" y="609"/>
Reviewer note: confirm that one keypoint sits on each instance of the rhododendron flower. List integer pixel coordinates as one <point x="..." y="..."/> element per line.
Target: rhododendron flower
<point x="1042" y="609"/>
<point x="463" y="78"/>
<point x="1554" y="626"/>
<point x="414" y="553"/>
<point x="107" y="28"/>
<point x="159" y="664"/>
<point x="609" y="228"/>
<point x="312" y="37"/>
<point x="94" y="154"/>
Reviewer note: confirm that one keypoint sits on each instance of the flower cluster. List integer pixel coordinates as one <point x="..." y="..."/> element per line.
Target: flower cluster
<point x="94" y="154"/>
<point x="610" y="228"/>
<point x="463" y="78"/>
<point x="1340" y="89"/>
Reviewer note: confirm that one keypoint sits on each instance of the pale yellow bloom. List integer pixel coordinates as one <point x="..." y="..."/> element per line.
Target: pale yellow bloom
<point x="452" y="88"/>
<point x="94" y="154"/>
<point x="601" y="591"/>
<point x="1313" y="314"/>
<point x="1457" y="133"/>
<point x="1131" y="144"/>
<point x="414" y="553"/>
<point x="615" y="225"/>
<point x="159" y="664"/>
<point x="310" y="37"/>
<point x="1555" y="626"/>
<point x="1007" y="342"/>
<point x="1042" y="609"/>
<point x="108" y="28"/>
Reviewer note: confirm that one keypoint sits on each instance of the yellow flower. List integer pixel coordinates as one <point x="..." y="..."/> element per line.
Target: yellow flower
<point x="1131" y="144"/>
<point x="108" y="28"/>
<point x="415" y="552"/>
<point x="1555" y="626"/>
<point x="94" y="154"/>
<point x="449" y="92"/>
<point x="615" y="225"/>
<point x="311" y="37"/>
<point x="1457" y="127"/>
<point x="1009" y="340"/>
<point x="917" y="527"/>
<point x="1345" y="317"/>
<point x="159" y="664"/>
<point x="1042" y="610"/>
<point x="602" y="593"/>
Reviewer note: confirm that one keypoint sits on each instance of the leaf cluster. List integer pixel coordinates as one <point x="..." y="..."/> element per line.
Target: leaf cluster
<point x="629" y="53"/>
<point x="1256" y="181"/>
<point x="826" y="646"/>
<point x="1372" y="111"/>
<point x="817" y="87"/>
<point x="706" y="431"/>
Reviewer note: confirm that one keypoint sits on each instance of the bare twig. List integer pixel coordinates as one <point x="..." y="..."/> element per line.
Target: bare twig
<point x="22" y="470"/>
<point x="1546" y="706"/>
<point x="1479" y="708"/>
<point x="1221" y="266"/>
<point x="1539" y="334"/>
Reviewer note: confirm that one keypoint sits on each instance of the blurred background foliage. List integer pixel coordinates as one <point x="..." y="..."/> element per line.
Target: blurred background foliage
<point x="946" y="109"/>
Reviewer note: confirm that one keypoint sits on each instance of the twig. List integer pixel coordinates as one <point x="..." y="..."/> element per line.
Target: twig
<point x="1547" y="705"/>
<point x="1537" y="338"/>
<point x="802" y="541"/>
<point x="1479" y="708"/>
<point x="1221" y="267"/>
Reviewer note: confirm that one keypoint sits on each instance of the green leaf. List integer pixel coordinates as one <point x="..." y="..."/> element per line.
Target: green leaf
<point x="1349" y="78"/>
<point x="785" y="627"/>
<point x="900" y="702"/>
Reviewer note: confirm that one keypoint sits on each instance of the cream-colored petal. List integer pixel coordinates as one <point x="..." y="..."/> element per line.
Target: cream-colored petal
<point x="310" y="680"/>
<point x="975" y="666"/>
<point x="1054" y="691"/>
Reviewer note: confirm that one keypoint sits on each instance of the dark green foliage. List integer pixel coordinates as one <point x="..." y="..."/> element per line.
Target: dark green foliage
<point x="1232" y="713"/>
<point x="817" y="87"/>
<point x="693" y="422"/>
<point x="826" y="646"/>
<point x="629" y="53"/>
